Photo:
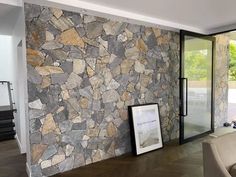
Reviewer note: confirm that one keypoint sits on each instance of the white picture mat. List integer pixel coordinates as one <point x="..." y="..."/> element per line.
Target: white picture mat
<point x="135" y="112"/>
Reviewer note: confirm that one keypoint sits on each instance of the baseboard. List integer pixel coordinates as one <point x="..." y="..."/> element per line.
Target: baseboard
<point x="28" y="171"/>
<point x="18" y="143"/>
<point x="22" y="151"/>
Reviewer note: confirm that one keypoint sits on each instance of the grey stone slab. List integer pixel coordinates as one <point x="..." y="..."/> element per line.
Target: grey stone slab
<point x="49" y="152"/>
<point x="67" y="164"/>
<point x="33" y="76"/>
<point x="67" y="67"/>
<point x="50" y="170"/>
<point x="79" y="126"/>
<point x="49" y="139"/>
<point x="94" y="29"/>
<point x="59" y="78"/>
<point x="35" y="138"/>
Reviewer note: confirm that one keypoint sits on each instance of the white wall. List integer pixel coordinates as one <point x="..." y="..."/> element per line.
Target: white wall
<point x="6" y="67"/>
<point x="20" y="86"/>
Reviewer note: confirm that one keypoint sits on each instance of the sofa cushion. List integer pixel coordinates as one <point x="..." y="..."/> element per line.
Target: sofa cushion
<point x="225" y="146"/>
<point x="232" y="171"/>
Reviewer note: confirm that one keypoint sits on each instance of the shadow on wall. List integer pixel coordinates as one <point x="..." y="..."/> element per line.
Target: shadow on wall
<point x="83" y="72"/>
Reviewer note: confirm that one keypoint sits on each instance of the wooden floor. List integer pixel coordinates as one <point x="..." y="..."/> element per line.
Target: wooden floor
<point x="171" y="161"/>
<point x="12" y="163"/>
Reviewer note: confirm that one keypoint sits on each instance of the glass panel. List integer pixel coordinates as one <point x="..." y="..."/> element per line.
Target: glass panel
<point x="4" y="95"/>
<point x="198" y="70"/>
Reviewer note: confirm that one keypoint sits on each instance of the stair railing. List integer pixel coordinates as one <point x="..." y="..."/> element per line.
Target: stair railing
<point x="9" y="93"/>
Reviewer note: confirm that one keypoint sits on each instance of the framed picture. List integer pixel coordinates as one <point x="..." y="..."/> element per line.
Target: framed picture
<point x="145" y="127"/>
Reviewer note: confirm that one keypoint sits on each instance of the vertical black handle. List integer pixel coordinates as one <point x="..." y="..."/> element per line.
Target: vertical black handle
<point x="184" y="112"/>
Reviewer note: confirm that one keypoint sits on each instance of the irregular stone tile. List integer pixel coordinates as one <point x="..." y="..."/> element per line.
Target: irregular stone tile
<point x="132" y="53"/>
<point x="79" y="160"/>
<point x="78" y="66"/>
<point x="157" y="32"/>
<point x="37" y="37"/>
<point x="45" y="15"/>
<point x="96" y="156"/>
<point x="129" y="34"/>
<point x="52" y="45"/>
<point x="49" y="139"/>
<point x="69" y="149"/>
<point x="90" y="42"/>
<point x="96" y="81"/>
<point x="35" y="138"/>
<point x="126" y="96"/>
<point x="46" y="164"/>
<point x="67" y="67"/>
<point x="126" y="66"/>
<point x="79" y="126"/>
<point x="110" y="96"/>
<point x="58" y="55"/>
<point x="91" y="62"/>
<point x="134" y="28"/>
<point x="31" y="11"/>
<point x="111" y="130"/>
<point x="37" y="104"/>
<point x="113" y="85"/>
<point x="36" y="170"/>
<point x="151" y="41"/>
<point x="49" y="36"/>
<point x="65" y="126"/>
<point x="139" y="67"/>
<point x="71" y="37"/>
<point x="113" y="28"/>
<point x="48" y="125"/>
<point x="47" y="70"/>
<point x="60" y="78"/>
<point x="56" y="159"/>
<point x="76" y="19"/>
<point x="46" y="82"/>
<point x="92" y="52"/>
<point x="93" y="132"/>
<point x="115" y="47"/>
<point x="122" y="37"/>
<point x="86" y="92"/>
<point x="56" y="12"/>
<point x="93" y="29"/>
<point x="37" y="151"/>
<point x="62" y="23"/>
<point x="96" y="105"/>
<point x="89" y="19"/>
<point x="115" y="62"/>
<point x="102" y="51"/>
<point x="35" y="125"/>
<point x="65" y="95"/>
<point x="33" y="76"/>
<point x="50" y="170"/>
<point x="49" y="152"/>
<point x="140" y="44"/>
<point x="67" y="164"/>
<point x="34" y="57"/>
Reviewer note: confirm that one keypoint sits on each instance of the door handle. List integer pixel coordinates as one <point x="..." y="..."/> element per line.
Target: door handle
<point x="184" y="106"/>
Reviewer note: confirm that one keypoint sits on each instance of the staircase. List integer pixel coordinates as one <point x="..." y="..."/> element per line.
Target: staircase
<point x="7" y="124"/>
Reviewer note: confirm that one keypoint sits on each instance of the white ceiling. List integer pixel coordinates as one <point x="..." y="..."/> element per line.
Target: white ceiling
<point x="203" y="16"/>
<point x="200" y="15"/>
<point x="8" y="18"/>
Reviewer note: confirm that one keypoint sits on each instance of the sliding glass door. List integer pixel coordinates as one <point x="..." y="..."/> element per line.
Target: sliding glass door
<point x="196" y="86"/>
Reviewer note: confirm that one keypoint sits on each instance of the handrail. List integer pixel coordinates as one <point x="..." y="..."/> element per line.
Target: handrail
<point x="9" y="93"/>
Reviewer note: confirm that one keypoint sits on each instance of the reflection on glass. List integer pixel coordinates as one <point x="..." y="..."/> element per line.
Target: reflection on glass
<point x="197" y="68"/>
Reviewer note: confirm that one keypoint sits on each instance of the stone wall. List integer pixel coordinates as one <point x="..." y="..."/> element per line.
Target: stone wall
<point x="221" y="79"/>
<point x="83" y="72"/>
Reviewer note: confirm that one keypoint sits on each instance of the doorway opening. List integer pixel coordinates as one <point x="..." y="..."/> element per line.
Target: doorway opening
<point x="232" y="80"/>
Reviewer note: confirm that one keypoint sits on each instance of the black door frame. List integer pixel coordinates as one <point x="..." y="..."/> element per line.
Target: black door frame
<point x="181" y="85"/>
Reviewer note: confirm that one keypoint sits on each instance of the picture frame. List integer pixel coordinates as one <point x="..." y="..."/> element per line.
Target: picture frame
<point x="145" y="125"/>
